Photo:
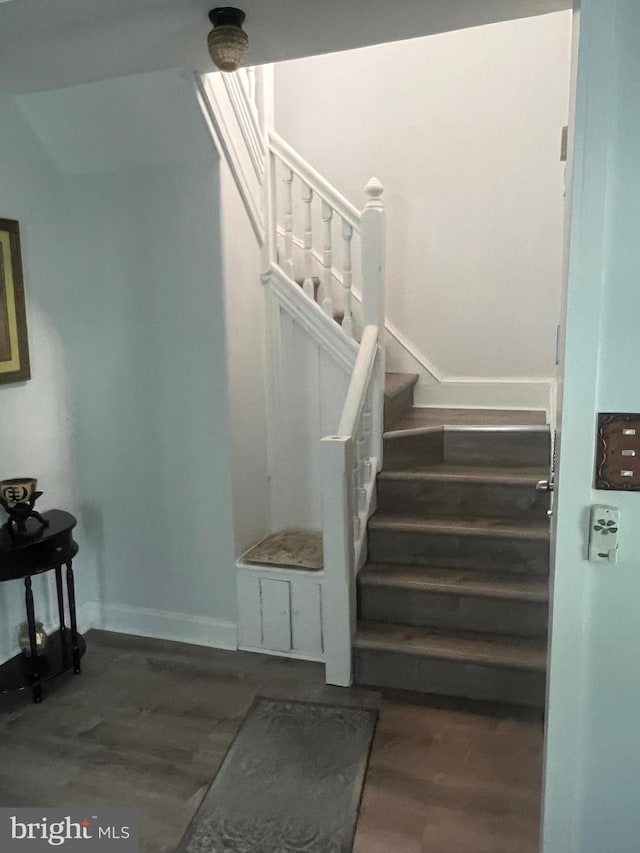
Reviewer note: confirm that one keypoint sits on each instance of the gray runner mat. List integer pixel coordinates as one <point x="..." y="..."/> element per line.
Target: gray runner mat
<point x="290" y="783"/>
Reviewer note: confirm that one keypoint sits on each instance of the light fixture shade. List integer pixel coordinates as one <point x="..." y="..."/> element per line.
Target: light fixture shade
<point x="228" y="43"/>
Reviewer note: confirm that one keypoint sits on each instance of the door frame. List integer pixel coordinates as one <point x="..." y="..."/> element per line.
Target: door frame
<point x="592" y="89"/>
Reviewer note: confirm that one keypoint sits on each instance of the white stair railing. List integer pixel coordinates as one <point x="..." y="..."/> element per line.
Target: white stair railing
<point x="351" y="459"/>
<point x="307" y="229"/>
<point x="326" y="219"/>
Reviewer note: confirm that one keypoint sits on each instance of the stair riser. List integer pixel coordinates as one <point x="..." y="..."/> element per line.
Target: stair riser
<point x="440" y="499"/>
<point x="412" y="450"/>
<point x="517" y="448"/>
<point x="424" y="674"/>
<point x="426" y="609"/>
<point x="459" y="551"/>
<point x="398" y="406"/>
<point x="487" y="448"/>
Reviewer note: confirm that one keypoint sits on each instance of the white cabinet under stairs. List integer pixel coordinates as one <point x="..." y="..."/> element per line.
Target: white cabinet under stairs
<point x="280" y="612"/>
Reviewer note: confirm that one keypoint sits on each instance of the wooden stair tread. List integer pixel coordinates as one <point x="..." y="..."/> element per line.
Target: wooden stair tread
<point x="485" y="649"/>
<point x="426" y="416"/>
<point x="443" y="472"/>
<point x="396" y="383"/>
<point x="489" y="527"/>
<point x="455" y="582"/>
<point x="454" y="600"/>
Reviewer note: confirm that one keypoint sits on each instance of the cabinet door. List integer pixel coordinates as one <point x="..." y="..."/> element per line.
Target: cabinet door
<point x="249" y="611"/>
<point x="276" y="614"/>
<point x="306" y="619"/>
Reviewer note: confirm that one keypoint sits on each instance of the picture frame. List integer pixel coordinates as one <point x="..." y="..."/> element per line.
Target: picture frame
<point x="14" y="343"/>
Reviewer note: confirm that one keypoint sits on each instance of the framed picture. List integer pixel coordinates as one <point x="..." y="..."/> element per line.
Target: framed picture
<point x="14" y="346"/>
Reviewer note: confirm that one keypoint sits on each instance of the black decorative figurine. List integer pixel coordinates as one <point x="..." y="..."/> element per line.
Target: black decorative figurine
<point x="17" y="498"/>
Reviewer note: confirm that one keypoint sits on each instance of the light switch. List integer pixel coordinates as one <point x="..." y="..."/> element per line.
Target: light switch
<point x="603" y="534"/>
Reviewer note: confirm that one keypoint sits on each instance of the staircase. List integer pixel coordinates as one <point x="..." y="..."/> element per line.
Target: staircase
<point x="435" y="541"/>
<point x="453" y="599"/>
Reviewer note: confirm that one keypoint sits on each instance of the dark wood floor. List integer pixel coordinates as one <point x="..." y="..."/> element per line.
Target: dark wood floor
<point x="148" y="723"/>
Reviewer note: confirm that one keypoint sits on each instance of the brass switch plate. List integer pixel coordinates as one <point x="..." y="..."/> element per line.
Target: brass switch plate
<point x="618" y="452"/>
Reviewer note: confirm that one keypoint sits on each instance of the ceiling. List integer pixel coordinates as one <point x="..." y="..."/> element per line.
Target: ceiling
<point x="60" y="43"/>
<point x="149" y="120"/>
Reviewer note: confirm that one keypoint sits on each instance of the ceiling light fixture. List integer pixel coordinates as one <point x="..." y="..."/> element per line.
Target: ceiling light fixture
<point x="228" y="43"/>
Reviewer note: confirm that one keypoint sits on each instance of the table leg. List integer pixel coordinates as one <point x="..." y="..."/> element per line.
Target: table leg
<point x="71" y="594"/>
<point x="31" y="622"/>
<point x="59" y="590"/>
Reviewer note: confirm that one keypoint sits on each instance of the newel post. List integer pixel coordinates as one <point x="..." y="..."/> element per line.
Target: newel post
<point x="373" y="256"/>
<point x="338" y="589"/>
<point x="373" y="300"/>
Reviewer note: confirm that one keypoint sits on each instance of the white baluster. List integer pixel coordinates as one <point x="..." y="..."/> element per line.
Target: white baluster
<point x="366" y="420"/>
<point x="359" y="494"/>
<point x="347" y="277"/>
<point x="362" y="501"/>
<point x="357" y="527"/>
<point x="364" y="443"/>
<point x="355" y="489"/>
<point x="307" y="198"/>
<point x="327" y="261"/>
<point x="363" y="439"/>
<point x="288" y="222"/>
<point x="361" y="456"/>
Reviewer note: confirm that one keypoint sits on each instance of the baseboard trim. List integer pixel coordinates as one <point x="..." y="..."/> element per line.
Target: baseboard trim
<point x="156" y="624"/>
<point x="292" y="655"/>
<point x="88" y="616"/>
<point x="168" y="625"/>
<point x="471" y="393"/>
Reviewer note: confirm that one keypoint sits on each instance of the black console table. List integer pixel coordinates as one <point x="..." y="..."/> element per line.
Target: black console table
<point x="48" y="550"/>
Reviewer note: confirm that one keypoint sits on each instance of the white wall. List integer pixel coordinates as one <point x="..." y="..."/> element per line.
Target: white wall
<point x="37" y="434"/>
<point x="127" y="412"/>
<point x="247" y="364"/>
<point x="157" y="444"/>
<point x="593" y="748"/>
<point x="463" y="129"/>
